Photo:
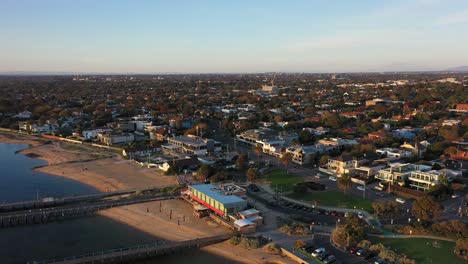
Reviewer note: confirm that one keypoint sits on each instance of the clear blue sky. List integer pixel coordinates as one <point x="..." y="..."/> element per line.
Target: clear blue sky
<point x="232" y="36"/>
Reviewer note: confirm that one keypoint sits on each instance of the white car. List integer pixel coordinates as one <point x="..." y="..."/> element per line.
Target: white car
<point x="400" y="200"/>
<point x="318" y="251"/>
<point x="455" y="196"/>
<point x="360" y="215"/>
<point x="332" y="178"/>
<point x="361" y="188"/>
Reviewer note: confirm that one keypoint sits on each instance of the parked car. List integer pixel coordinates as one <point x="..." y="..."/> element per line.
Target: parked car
<point x="361" y="253"/>
<point x="340" y="214"/>
<point x="379" y="261"/>
<point x="454" y="196"/>
<point x="329" y="259"/>
<point x="333" y="213"/>
<point x="318" y="176"/>
<point x="322" y="256"/>
<point x="361" y="188"/>
<point x="360" y="215"/>
<point x="352" y="250"/>
<point x="400" y="200"/>
<point x="332" y="178"/>
<point x="318" y="251"/>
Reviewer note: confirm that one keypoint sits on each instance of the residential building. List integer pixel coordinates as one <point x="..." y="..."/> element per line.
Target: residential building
<point x="192" y="144"/>
<point x="113" y="138"/>
<point x="343" y="164"/>
<point x="303" y="154"/>
<point x="394" y="152"/>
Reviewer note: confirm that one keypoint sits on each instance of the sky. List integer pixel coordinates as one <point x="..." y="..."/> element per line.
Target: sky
<point x="203" y="36"/>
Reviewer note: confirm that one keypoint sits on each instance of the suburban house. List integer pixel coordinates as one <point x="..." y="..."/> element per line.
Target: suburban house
<point x="191" y="144"/>
<point x="420" y="177"/>
<point x="394" y="152"/>
<point x="180" y="164"/>
<point x="37" y="129"/>
<point x="113" y="138"/>
<point x="24" y="115"/>
<point x="418" y="148"/>
<point x="93" y="134"/>
<point x="344" y="164"/>
<point x="303" y="154"/>
<point x="131" y="153"/>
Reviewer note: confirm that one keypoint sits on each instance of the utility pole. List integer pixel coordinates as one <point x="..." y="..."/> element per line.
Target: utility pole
<point x="364" y="192"/>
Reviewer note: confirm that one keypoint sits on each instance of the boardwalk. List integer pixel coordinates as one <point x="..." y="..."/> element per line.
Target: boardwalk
<point x="25" y="205"/>
<point x="138" y="252"/>
<point x="45" y="215"/>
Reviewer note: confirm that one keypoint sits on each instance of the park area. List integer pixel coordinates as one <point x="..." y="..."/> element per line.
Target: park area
<point x="423" y="250"/>
<point x="282" y="182"/>
<point x="334" y="199"/>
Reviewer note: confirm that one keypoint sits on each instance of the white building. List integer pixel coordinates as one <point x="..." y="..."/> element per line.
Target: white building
<point x="394" y="152"/>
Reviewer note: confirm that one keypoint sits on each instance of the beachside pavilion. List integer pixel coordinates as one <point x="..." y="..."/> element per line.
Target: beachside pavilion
<point x="221" y="199"/>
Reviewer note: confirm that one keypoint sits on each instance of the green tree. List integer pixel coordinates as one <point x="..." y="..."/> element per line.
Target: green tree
<point x="299" y="243"/>
<point x="286" y="160"/>
<point x="257" y="149"/>
<point x="252" y="174"/>
<point x="324" y="160"/>
<point x="426" y="208"/>
<point x="461" y="248"/>
<point x="204" y="172"/>
<point x="344" y="182"/>
<point x="240" y="162"/>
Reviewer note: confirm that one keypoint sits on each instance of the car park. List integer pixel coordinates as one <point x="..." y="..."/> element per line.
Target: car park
<point x="329" y="259"/>
<point x="318" y="251"/>
<point x="400" y="200"/>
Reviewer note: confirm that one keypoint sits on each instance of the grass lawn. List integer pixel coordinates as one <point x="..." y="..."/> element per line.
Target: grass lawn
<point x="334" y="198"/>
<point x="281" y="181"/>
<point x="422" y="250"/>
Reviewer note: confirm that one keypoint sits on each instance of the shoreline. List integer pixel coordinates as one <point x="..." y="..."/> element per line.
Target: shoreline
<point x="104" y="173"/>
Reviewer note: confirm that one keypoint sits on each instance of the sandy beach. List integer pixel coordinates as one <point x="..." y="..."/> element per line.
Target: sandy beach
<point x="108" y="172"/>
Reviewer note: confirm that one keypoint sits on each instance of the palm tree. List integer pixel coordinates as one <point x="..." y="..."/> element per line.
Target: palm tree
<point x="286" y="160"/>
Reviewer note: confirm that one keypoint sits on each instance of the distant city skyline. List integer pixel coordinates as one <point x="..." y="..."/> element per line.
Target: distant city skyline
<point x="232" y="36"/>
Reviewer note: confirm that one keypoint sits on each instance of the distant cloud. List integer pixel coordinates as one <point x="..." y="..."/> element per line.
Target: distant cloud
<point x="460" y="17"/>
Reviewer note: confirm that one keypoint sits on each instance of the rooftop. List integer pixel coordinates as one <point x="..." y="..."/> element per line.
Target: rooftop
<point x="221" y="195"/>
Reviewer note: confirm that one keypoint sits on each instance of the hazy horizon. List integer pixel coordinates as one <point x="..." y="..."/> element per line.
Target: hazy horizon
<point x="151" y="37"/>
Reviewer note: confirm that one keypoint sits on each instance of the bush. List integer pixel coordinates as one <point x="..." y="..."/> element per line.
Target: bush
<point x="249" y="243"/>
<point x="452" y="228"/>
<point x="295" y="229"/>
<point x="235" y="240"/>
<point x="299" y="243"/>
<point x="272" y="248"/>
<point x="246" y="242"/>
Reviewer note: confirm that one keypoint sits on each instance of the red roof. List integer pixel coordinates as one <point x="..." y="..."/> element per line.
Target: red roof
<point x="462" y="107"/>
